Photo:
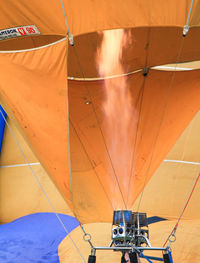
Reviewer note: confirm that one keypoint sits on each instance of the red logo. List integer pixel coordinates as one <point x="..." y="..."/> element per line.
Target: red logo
<point x="21" y="31"/>
<point x="30" y="30"/>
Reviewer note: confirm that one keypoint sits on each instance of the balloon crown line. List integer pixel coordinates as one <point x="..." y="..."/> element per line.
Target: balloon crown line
<point x="130" y="236"/>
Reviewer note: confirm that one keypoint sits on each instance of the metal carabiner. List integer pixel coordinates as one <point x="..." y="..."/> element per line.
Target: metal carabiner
<point x="172" y="238"/>
<point x="87" y="237"/>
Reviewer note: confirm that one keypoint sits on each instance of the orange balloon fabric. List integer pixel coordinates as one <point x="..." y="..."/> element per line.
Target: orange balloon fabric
<point x="34" y="91"/>
<point x="163" y="108"/>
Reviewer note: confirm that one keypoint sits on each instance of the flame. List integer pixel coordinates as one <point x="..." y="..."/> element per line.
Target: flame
<point x="117" y="106"/>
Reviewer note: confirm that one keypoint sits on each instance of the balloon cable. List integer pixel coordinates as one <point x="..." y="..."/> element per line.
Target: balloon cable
<point x="181" y="159"/>
<point x="172" y="234"/>
<point x="186" y="27"/>
<point x="161" y="121"/>
<point x="44" y="192"/>
<point x="139" y="117"/>
<point x="183" y="210"/>
<point x="97" y="119"/>
<point x="70" y="36"/>
<point x="91" y="163"/>
<point x="135" y="141"/>
<point x="68" y="139"/>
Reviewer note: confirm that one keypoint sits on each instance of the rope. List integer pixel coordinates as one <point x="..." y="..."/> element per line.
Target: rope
<point x="107" y="77"/>
<point x="185" y="31"/>
<point x="134" y="150"/>
<point x="97" y="119"/>
<point x="91" y="163"/>
<point x="70" y="36"/>
<point x="68" y="144"/>
<point x="186" y="27"/>
<point x="182" y="157"/>
<point x="86" y="237"/>
<point x="71" y="41"/>
<point x="182" y="212"/>
<point x="44" y="192"/>
<point x="161" y="121"/>
<point x="140" y="109"/>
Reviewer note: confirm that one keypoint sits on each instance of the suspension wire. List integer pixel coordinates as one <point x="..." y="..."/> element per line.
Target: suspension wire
<point x="135" y="141"/>
<point x="91" y="163"/>
<point x="187" y="199"/>
<point x="140" y="110"/>
<point x="187" y="27"/>
<point x="191" y="6"/>
<point x="70" y="36"/>
<point x="182" y="157"/>
<point x="172" y="234"/>
<point x="71" y="41"/>
<point x="161" y="121"/>
<point x="68" y="142"/>
<point x="185" y="31"/>
<point x="86" y="237"/>
<point x="43" y="190"/>
<point x="97" y="119"/>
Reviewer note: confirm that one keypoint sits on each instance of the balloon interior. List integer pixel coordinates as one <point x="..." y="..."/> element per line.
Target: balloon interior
<point x="130" y="232"/>
<point x="130" y="235"/>
<point x="102" y="102"/>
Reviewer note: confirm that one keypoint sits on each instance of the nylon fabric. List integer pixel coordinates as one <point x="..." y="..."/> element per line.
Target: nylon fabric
<point x="182" y="106"/>
<point x="88" y="138"/>
<point x="39" y="104"/>
<point x="89" y="18"/>
<point x="175" y="180"/>
<point x="33" y="90"/>
<point x="162" y="43"/>
<point x="28" y="239"/>
<point x="84" y="16"/>
<point x="17" y="182"/>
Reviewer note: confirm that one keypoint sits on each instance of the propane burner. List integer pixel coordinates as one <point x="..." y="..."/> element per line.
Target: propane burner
<point x="129" y="228"/>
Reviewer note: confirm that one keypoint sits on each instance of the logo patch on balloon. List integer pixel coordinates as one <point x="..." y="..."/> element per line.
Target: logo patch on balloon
<point x="19" y="31"/>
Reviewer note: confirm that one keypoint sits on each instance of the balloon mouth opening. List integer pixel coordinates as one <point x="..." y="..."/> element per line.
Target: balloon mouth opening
<point x="146" y="47"/>
<point x="28" y="42"/>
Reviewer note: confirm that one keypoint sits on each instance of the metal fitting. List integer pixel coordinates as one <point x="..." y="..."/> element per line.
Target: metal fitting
<point x="71" y="39"/>
<point x="185" y="30"/>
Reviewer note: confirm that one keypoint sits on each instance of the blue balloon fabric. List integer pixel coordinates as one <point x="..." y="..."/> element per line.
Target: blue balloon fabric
<point x="34" y="238"/>
<point x="155" y="219"/>
<point x="2" y="125"/>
